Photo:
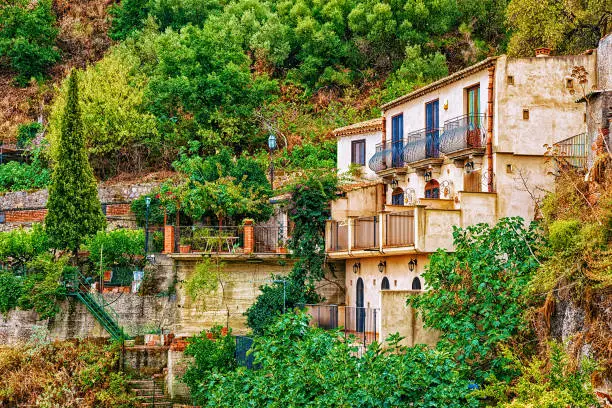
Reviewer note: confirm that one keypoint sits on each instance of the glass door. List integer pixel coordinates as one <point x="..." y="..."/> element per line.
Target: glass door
<point x="397" y="142"/>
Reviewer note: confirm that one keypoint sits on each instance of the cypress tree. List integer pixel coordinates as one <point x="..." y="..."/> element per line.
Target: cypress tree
<point x="74" y="210"/>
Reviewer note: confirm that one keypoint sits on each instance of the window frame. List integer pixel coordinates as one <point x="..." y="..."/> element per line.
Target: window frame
<point x="355" y="145"/>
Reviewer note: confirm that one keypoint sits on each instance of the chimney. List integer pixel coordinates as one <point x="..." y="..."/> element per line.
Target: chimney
<point x="542" y="52"/>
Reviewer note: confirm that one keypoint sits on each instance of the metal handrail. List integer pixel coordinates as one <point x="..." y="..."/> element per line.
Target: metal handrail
<point x="463" y="132"/>
<point x="573" y="150"/>
<point x="422" y="144"/>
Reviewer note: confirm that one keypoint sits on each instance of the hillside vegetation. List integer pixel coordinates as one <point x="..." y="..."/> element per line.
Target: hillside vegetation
<point x="227" y="73"/>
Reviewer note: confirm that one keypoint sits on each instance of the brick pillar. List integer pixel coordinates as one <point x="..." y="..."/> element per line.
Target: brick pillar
<point x="249" y="237"/>
<point x="168" y="239"/>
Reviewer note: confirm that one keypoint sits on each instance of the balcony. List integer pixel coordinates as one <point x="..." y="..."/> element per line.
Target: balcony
<point x="369" y="234"/>
<point x="463" y="135"/>
<point x="422" y="148"/>
<point x="573" y="151"/>
<point x="387" y="156"/>
<point x="361" y="322"/>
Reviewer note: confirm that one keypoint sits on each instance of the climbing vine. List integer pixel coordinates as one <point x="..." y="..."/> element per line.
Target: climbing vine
<point x="309" y="210"/>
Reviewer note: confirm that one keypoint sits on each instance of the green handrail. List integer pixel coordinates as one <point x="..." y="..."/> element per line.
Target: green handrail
<point x="77" y="286"/>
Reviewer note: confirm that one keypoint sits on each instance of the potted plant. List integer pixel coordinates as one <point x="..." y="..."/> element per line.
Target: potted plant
<point x="185" y="245"/>
<point x="108" y="275"/>
<point x="281" y="248"/>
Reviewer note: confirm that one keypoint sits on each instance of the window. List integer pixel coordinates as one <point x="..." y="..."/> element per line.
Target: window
<point x="358" y="152"/>
<point x="432" y="189"/>
<point x="397" y="196"/>
<point x="385" y="284"/>
<point x="510" y="80"/>
<point x="432" y="123"/>
<point x="525" y="114"/>
<point x="473" y="104"/>
<point x="416" y="284"/>
<point x="2" y="217"/>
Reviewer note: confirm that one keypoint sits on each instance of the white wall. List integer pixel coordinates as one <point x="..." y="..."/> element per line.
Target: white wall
<point x="344" y="151"/>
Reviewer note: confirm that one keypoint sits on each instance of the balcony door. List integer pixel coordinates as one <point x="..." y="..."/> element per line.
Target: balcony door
<point x="360" y="310"/>
<point x="473" y="116"/>
<point x="432" y="124"/>
<point x="397" y="143"/>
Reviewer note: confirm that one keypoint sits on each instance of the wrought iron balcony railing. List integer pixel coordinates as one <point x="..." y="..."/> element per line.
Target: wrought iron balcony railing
<point x="463" y="132"/>
<point x="422" y="144"/>
<point x="573" y="150"/>
<point x="388" y="155"/>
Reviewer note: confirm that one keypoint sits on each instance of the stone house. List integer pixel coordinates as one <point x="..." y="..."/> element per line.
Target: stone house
<point x="468" y="148"/>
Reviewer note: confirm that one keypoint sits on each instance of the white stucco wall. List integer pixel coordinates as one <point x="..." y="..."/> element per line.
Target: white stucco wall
<point x="344" y="151"/>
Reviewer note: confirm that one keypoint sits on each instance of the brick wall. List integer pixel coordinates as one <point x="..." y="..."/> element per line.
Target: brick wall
<point x="25" y="216"/>
<point x="114" y="210"/>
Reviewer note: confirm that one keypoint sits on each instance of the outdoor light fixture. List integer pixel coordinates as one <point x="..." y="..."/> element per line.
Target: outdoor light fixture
<point x="412" y="264"/>
<point x="381" y="266"/>
<point x="394" y="183"/>
<point x="272" y="142"/>
<point x="356" y="267"/>
<point x="469" y="167"/>
<point x="427" y="176"/>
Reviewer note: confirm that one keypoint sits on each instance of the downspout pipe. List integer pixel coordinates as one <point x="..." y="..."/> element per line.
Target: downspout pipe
<point x="489" y="148"/>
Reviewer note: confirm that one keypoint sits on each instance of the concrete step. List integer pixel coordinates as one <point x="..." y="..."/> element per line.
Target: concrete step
<point x="161" y="404"/>
<point x="144" y="392"/>
<point x="139" y="384"/>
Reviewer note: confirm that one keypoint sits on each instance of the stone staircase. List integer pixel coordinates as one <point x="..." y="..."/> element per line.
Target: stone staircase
<point x="150" y="392"/>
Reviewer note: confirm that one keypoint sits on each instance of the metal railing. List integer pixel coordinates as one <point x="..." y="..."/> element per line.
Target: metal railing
<point x="362" y="322"/>
<point x="388" y="155"/>
<point x="399" y="229"/>
<point x="422" y="144"/>
<point x="573" y="150"/>
<point x="241" y="354"/>
<point x="463" y="132"/>
<point x="365" y="233"/>
<point x="269" y="239"/>
<point x="211" y="238"/>
<point x="336" y="236"/>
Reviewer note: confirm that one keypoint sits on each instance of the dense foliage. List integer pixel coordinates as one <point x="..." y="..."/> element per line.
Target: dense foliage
<point x="68" y="374"/>
<point x="309" y="211"/>
<point x="20" y="246"/>
<point x="213" y="351"/>
<point x="32" y="175"/>
<point x="301" y="366"/>
<point x="74" y="210"/>
<point x="478" y="293"/>
<point x="27" y="37"/>
<point x="116" y="248"/>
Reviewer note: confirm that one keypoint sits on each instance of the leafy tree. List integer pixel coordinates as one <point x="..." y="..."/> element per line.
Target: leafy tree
<point x="10" y="291"/>
<point x="119" y="133"/>
<point x="120" y="247"/>
<point x="42" y="287"/>
<point x="27" y="37"/>
<point x="212" y="351"/>
<point x="309" y="212"/>
<point x="553" y="383"/>
<point x="74" y="210"/>
<point x="298" y="365"/>
<point x="20" y="246"/>
<point x="479" y="292"/>
<point x="26" y="133"/>
<point x="127" y="17"/>
<point x="566" y="27"/>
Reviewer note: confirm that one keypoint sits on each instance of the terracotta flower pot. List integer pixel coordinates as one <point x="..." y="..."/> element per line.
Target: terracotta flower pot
<point x="281" y="250"/>
<point x="184" y="249"/>
<point x="108" y="275"/>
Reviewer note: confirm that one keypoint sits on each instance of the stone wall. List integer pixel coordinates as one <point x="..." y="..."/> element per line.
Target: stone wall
<point x="21" y="208"/>
<point x="397" y="317"/>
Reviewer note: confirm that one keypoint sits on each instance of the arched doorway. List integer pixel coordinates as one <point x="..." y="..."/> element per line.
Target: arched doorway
<point x="360" y="310"/>
<point x="432" y="189"/>
<point x="416" y="284"/>
<point x="397" y="196"/>
<point x="385" y="284"/>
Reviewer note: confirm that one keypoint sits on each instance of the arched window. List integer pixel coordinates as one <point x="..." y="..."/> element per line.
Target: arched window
<point x="432" y="189"/>
<point x="416" y="284"/>
<point x="385" y="284"/>
<point x="360" y="309"/>
<point x="397" y="196"/>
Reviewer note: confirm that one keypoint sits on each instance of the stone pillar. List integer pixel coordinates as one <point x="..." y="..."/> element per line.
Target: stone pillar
<point x="249" y="237"/>
<point x="168" y="239"/>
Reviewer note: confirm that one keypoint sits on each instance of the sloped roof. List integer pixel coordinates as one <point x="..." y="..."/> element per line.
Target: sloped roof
<point x="372" y="125"/>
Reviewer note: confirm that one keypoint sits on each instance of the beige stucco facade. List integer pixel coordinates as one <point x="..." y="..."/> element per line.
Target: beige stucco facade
<point x="488" y="162"/>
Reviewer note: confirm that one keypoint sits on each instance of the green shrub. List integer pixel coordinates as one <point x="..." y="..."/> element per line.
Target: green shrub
<point x="116" y="248"/>
<point x="10" y="291"/>
<point x="212" y="351"/>
<point x="27" y="37"/>
<point x="42" y="287"/>
<point x="564" y="234"/>
<point x="26" y="133"/>
<point x="20" y="246"/>
<point x="15" y="176"/>
<point x="156" y="210"/>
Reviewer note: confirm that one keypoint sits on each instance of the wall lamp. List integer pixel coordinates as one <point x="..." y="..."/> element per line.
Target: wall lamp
<point x="427" y="176"/>
<point x="412" y="264"/>
<point x="382" y="265"/>
<point x="356" y="267"/>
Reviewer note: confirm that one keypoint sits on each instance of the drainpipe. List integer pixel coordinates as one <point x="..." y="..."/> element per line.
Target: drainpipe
<point x="384" y="138"/>
<point x="489" y="149"/>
